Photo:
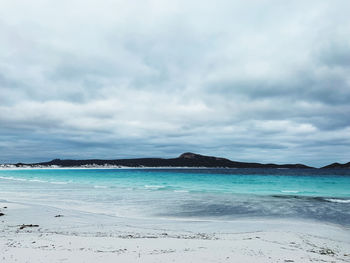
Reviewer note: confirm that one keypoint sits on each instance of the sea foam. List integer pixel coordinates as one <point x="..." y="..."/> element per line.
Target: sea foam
<point x="342" y="201"/>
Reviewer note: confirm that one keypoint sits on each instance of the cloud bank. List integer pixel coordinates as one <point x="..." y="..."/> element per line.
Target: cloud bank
<point x="265" y="80"/>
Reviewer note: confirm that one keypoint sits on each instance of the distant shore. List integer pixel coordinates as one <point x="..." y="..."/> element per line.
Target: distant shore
<point x="185" y="160"/>
<point x="111" y="167"/>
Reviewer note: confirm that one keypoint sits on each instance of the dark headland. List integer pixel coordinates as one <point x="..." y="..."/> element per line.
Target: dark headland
<point x="184" y="160"/>
<point x="337" y="166"/>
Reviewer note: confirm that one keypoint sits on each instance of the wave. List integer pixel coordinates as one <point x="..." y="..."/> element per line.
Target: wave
<point x="23" y="179"/>
<point x="290" y="191"/>
<point x="58" y="182"/>
<point x="100" y="186"/>
<point x="155" y="187"/>
<point x="37" y="180"/>
<point x="181" y="191"/>
<point x="13" y="178"/>
<point x="314" y="198"/>
<point x="336" y="200"/>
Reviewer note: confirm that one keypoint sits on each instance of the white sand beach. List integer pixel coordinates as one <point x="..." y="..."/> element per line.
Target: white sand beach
<point x="36" y="233"/>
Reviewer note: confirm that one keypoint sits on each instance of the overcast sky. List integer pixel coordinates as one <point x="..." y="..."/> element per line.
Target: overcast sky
<point x="264" y="80"/>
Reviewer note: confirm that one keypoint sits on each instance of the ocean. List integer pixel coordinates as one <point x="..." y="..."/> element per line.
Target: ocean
<point x="193" y="194"/>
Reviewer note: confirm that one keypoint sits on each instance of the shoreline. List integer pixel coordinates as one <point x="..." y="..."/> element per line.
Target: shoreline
<point x="2" y="168"/>
<point x="115" y="167"/>
<point x="160" y="168"/>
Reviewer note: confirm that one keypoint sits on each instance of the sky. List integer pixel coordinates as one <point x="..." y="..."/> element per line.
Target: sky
<point x="256" y="80"/>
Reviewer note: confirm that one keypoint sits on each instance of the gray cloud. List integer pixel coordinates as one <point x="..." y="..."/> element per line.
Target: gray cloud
<point x="264" y="81"/>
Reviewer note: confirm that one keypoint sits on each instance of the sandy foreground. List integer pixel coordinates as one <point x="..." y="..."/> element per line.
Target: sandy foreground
<point x="36" y="233"/>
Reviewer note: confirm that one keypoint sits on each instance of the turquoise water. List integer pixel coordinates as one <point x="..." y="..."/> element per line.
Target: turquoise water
<point x="322" y="195"/>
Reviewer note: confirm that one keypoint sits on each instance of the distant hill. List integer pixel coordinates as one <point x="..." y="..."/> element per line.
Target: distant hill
<point x="337" y="166"/>
<point x="184" y="160"/>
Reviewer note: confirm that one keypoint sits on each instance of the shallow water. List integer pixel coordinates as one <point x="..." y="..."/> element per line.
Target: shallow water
<point x="216" y="194"/>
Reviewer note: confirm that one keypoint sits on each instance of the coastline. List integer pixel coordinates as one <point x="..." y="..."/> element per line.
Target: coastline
<point x="185" y="160"/>
<point x="115" y="167"/>
<point x="66" y="235"/>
